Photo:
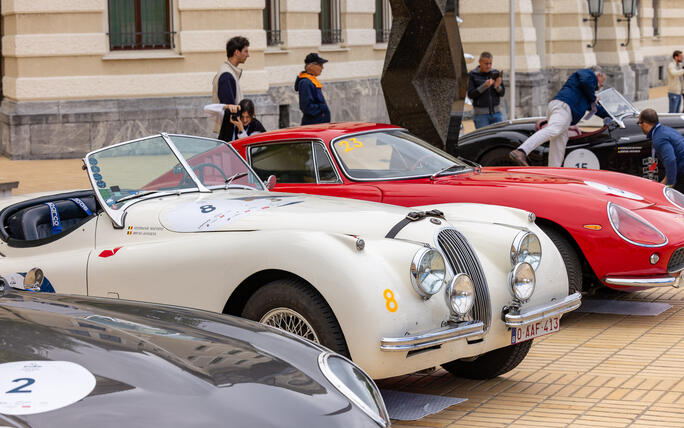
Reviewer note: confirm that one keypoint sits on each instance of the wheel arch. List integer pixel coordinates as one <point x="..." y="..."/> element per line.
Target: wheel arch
<point x="237" y="300"/>
<point x="587" y="270"/>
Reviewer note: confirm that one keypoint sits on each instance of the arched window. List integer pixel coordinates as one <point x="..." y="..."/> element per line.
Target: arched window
<point x="329" y="22"/>
<point x="140" y="24"/>
<point x="272" y="22"/>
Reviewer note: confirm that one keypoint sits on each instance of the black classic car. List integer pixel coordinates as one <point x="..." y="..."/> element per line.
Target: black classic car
<point x="69" y="361"/>
<point x="620" y="146"/>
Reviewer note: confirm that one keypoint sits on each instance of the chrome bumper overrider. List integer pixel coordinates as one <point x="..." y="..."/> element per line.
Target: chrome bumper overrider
<point x="668" y="281"/>
<point x="538" y="313"/>
<point x="468" y="329"/>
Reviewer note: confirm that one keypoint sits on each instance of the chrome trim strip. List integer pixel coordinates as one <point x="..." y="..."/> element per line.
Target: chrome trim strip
<point x="669" y="281"/>
<point x="538" y="313"/>
<point x="468" y="329"/>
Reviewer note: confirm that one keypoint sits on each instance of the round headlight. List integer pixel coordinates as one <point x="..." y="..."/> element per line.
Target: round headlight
<point x="354" y="384"/>
<point x="461" y="294"/>
<point x="674" y="196"/>
<point x="526" y="248"/>
<point x="522" y="281"/>
<point x="428" y="272"/>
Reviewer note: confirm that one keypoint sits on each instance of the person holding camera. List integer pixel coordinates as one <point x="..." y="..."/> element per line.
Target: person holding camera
<point x="244" y="123"/>
<point x="485" y="89"/>
<point x="226" y="85"/>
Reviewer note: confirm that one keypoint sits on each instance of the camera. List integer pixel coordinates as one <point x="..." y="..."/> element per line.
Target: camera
<point x="496" y="75"/>
<point x="234" y="116"/>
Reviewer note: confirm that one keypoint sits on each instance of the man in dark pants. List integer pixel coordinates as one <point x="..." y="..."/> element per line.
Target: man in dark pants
<point x="485" y="88"/>
<point x="668" y="144"/>
<point x="311" y="100"/>
<point x="226" y="85"/>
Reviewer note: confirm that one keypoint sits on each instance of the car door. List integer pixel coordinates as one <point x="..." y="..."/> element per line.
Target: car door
<point x="306" y="167"/>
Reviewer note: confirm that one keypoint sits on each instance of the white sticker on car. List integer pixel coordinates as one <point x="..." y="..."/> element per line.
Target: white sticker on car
<point x="211" y="215"/>
<point x="29" y="387"/>
<point x="581" y="158"/>
<point x="613" y="191"/>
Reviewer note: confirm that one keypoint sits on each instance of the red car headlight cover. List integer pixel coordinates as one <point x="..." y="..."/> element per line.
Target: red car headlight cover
<point x="633" y="228"/>
<point x="675" y="197"/>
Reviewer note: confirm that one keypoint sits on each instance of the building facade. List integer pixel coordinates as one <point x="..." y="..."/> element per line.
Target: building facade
<point x="81" y="74"/>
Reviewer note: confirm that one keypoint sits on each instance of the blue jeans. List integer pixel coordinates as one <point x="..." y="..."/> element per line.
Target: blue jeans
<point x="487" y="119"/>
<point x="675" y="102"/>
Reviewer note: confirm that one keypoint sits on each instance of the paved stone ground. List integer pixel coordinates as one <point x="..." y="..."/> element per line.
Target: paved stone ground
<point x="598" y="371"/>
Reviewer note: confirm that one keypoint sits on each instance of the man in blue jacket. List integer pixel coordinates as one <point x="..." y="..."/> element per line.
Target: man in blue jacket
<point x="574" y="99"/>
<point x="311" y="100"/>
<point x="668" y="144"/>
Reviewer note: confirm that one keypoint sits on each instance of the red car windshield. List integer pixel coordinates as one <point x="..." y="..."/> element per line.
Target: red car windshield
<point x="390" y="155"/>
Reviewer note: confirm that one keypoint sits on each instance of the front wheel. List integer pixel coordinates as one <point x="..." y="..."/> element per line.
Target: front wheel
<point x="492" y="364"/>
<point x="293" y="306"/>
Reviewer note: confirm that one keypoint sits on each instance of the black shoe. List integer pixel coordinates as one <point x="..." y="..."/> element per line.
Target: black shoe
<point x="519" y="157"/>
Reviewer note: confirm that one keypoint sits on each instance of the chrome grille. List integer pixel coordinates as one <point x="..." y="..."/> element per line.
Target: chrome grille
<point x="463" y="259"/>
<point x="676" y="262"/>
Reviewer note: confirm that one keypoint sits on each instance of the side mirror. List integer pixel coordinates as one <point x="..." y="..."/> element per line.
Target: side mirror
<point x="271" y="182"/>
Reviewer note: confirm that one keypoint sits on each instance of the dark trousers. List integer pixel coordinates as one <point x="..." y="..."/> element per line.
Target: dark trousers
<point x="680" y="182"/>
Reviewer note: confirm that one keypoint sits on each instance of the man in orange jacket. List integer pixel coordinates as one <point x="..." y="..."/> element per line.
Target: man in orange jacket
<point x="311" y="100"/>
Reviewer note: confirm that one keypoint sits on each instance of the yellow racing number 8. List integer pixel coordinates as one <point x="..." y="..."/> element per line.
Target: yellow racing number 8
<point x="390" y="302"/>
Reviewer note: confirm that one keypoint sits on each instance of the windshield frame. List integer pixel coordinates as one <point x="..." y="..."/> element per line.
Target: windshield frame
<point x="118" y="216"/>
<point x="618" y="119"/>
<point x="340" y="163"/>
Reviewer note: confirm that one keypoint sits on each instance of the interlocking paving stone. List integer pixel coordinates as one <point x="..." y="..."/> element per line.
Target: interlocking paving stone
<point x="599" y="370"/>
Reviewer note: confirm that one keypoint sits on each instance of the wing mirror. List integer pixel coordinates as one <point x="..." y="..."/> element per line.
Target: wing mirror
<point x="271" y="182"/>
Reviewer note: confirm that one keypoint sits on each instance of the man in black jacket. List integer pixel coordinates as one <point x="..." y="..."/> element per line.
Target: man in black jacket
<point x="485" y="88"/>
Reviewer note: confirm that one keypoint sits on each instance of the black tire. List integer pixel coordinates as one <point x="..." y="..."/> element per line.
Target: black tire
<point x="492" y="364"/>
<point x="573" y="265"/>
<point x="497" y="157"/>
<point x="297" y="296"/>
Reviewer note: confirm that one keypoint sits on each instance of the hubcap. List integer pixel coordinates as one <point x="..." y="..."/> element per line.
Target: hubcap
<point x="290" y="321"/>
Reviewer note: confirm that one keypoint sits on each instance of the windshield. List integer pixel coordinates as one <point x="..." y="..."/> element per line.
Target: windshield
<point x="616" y="105"/>
<point x="134" y="169"/>
<point x="391" y="155"/>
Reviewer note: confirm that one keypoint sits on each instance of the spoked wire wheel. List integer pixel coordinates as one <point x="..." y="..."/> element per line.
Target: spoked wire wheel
<point x="290" y="321"/>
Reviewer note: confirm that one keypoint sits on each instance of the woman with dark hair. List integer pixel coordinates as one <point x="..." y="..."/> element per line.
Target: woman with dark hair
<point x="244" y="121"/>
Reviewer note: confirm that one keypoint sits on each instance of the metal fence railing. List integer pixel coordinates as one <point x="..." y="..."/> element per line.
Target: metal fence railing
<point x="331" y="36"/>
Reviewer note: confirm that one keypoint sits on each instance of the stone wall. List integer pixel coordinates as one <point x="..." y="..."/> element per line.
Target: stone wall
<point x="71" y="128"/>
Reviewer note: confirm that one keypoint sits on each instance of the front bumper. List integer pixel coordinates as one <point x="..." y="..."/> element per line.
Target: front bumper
<point x="538" y="313"/>
<point x="464" y="330"/>
<point x="666" y="281"/>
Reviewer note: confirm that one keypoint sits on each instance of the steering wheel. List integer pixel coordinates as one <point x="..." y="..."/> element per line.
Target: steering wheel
<point x="419" y="162"/>
<point x="199" y="171"/>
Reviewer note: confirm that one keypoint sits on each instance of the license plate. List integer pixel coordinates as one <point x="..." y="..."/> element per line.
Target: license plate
<point x="536" y="329"/>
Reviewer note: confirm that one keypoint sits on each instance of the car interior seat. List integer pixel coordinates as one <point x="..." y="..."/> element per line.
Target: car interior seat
<point x="34" y="222"/>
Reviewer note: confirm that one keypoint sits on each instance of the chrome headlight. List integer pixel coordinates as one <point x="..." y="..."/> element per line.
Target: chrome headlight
<point x="674" y="196"/>
<point x="354" y="384"/>
<point x="526" y="248"/>
<point x="428" y="272"/>
<point x="461" y="294"/>
<point x="522" y="281"/>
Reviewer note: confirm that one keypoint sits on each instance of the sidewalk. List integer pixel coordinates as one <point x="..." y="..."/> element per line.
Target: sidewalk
<point x="47" y="175"/>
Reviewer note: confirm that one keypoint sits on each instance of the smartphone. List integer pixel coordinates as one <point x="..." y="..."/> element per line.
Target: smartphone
<point x="496" y="75"/>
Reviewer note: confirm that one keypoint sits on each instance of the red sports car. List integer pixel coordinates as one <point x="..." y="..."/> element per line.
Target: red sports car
<point x="613" y="229"/>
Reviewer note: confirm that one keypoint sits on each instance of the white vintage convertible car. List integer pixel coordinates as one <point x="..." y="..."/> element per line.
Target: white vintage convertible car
<point x="183" y="220"/>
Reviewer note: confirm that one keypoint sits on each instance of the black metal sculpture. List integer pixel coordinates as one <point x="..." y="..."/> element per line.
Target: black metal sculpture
<point x="424" y="79"/>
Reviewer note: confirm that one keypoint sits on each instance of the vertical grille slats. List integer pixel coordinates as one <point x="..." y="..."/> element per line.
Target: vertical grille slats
<point x="463" y="259"/>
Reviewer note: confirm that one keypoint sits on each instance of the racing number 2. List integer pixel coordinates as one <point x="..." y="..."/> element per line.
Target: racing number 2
<point x="390" y="302"/>
<point x="20" y="388"/>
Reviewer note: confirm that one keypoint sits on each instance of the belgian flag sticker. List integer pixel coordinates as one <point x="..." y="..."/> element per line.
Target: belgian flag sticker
<point x="130" y="230"/>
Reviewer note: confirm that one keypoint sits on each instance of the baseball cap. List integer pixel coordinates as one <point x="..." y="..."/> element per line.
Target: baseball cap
<point x="314" y="57"/>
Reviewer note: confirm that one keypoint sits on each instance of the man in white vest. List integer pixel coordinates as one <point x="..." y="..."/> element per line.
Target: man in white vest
<point x="226" y="85"/>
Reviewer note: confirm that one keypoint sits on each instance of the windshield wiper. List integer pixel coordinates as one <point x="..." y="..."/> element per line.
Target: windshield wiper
<point x="233" y="177"/>
<point x="136" y="195"/>
<point x="443" y="170"/>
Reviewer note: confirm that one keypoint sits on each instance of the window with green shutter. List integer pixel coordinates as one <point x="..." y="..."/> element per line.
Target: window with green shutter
<point x="140" y="24"/>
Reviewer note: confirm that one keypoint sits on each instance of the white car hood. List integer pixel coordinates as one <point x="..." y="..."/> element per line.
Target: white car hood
<point x="240" y="210"/>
